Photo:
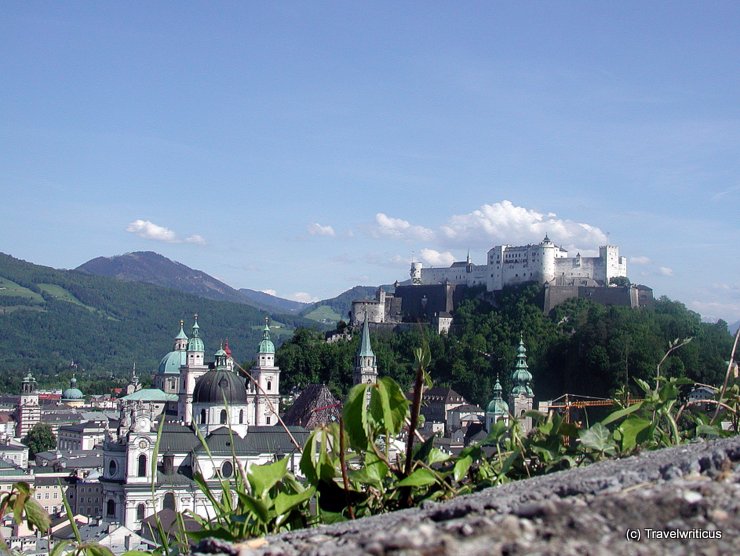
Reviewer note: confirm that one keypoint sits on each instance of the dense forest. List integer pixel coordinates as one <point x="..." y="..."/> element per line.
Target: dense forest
<point x="580" y="348"/>
<point x="53" y="319"/>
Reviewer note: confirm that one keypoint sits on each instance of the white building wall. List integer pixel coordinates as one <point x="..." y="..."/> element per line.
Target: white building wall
<point x="510" y="265"/>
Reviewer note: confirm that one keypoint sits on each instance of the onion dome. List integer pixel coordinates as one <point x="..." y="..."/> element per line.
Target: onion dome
<point x="266" y="345"/>
<point x="181" y="335"/>
<point x="195" y="343"/>
<point x="218" y="384"/>
<point x="72" y="393"/>
<point x="521" y="376"/>
<point x="497" y="406"/>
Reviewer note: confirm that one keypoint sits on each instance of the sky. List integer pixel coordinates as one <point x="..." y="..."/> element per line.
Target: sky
<point x="302" y="148"/>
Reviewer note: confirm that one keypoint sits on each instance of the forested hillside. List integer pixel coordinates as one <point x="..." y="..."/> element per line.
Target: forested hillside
<point x="580" y="348"/>
<point x="51" y="318"/>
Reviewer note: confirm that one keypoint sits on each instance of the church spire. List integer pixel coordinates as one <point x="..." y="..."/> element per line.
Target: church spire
<point x="521" y="376"/>
<point x="366" y="369"/>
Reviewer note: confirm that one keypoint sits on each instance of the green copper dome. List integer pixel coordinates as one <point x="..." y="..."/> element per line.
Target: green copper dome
<point x="171" y="363"/>
<point x="266" y="345"/>
<point x="72" y="393"/>
<point x="181" y="335"/>
<point x="497" y="406"/>
<point x="521" y="376"/>
<point x="195" y="343"/>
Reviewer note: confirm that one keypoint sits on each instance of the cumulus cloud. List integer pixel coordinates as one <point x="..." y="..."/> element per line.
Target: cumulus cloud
<point x="317" y="229"/>
<point x="435" y="258"/>
<point x="400" y="229"/>
<point x="505" y="222"/>
<point x="640" y="260"/>
<point x="155" y="232"/>
<point x="303" y="297"/>
<point x="665" y="271"/>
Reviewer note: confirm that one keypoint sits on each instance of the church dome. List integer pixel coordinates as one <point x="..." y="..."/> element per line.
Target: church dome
<point x="171" y="363"/>
<point x="266" y="345"/>
<point x="218" y="384"/>
<point x="195" y="343"/>
<point x="497" y="405"/>
<point x="72" y="393"/>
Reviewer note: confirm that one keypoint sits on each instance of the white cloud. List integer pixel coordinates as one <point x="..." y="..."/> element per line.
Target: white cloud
<point x="640" y="260"/>
<point x="665" y="271"/>
<point x="713" y="310"/>
<point x="317" y="229"/>
<point x="269" y="292"/>
<point x="303" y="297"/>
<point x="401" y="229"/>
<point x="155" y="232"/>
<point x="507" y="223"/>
<point x="435" y="258"/>
<point x="196" y="239"/>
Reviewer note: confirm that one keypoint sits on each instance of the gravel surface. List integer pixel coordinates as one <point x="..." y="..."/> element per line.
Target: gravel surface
<point x="683" y="500"/>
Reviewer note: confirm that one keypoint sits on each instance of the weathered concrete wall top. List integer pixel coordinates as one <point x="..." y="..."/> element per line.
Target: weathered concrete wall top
<point x="691" y="491"/>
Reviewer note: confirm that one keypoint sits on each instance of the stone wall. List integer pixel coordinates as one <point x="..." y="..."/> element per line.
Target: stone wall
<point x="691" y="491"/>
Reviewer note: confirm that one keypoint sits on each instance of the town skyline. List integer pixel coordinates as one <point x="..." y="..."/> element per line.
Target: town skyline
<point x="305" y="149"/>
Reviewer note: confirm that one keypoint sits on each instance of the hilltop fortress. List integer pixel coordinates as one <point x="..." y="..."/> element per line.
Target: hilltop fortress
<point x="433" y="293"/>
<point x="544" y="263"/>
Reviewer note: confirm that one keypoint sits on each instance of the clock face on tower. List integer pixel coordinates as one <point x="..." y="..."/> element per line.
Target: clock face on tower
<point x="143" y="444"/>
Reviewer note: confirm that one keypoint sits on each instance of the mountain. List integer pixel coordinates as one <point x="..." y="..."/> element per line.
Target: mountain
<point x="50" y="318"/>
<point x="153" y="268"/>
<point x="268" y="302"/>
<point x="733" y="327"/>
<point x="332" y="310"/>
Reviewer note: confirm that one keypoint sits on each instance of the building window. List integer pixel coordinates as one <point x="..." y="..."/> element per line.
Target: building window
<point x="110" y="510"/>
<point x="142" y="466"/>
<point x="227" y="469"/>
<point x="202" y="416"/>
<point x="112" y="468"/>
<point x="269" y="385"/>
<point x="140" y="511"/>
<point x="169" y="502"/>
<point x="223" y="417"/>
<point x="268" y="419"/>
<point x="241" y="417"/>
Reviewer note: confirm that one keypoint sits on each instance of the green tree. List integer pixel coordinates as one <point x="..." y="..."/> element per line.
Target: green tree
<point x="39" y="439"/>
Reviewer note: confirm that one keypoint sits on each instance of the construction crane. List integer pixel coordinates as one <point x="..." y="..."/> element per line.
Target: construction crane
<point x="567" y="402"/>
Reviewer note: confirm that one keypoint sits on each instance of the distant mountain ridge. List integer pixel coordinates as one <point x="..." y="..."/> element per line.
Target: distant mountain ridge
<point x="153" y="268"/>
<point x="272" y="302"/>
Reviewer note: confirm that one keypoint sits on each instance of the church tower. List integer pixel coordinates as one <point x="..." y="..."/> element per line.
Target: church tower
<point x="267" y="375"/>
<point x="366" y="369"/>
<point x="521" y="398"/>
<point x="29" y="411"/>
<point x="194" y="368"/>
<point x="497" y="408"/>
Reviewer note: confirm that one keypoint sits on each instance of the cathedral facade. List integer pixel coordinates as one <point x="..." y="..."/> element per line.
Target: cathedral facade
<point x="224" y="421"/>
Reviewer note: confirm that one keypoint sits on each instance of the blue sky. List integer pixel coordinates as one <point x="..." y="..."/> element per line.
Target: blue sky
<point x="307" y="147"/>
